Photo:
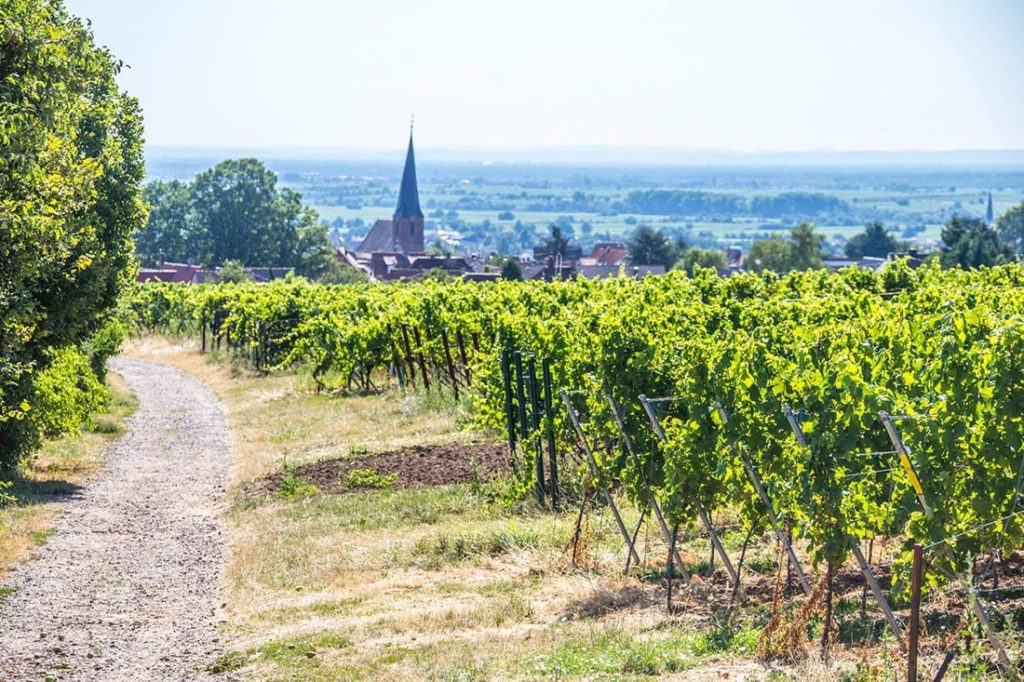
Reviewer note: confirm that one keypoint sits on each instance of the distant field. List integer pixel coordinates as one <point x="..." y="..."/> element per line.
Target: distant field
<point x="469" y="198"/>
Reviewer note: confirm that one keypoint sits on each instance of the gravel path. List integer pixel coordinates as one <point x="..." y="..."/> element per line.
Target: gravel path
<point x="126" y="587"/>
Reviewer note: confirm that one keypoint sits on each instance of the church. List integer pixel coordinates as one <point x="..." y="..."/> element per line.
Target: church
<point x="404" y="232"/>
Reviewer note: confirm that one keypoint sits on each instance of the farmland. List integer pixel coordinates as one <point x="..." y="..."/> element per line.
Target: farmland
<point x="486" y="206"/>
<point x="757" y="382"/>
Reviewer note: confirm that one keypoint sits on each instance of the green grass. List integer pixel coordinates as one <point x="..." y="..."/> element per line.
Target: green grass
<point x="397" y="507"/>
<point x="448" y="548"/>
<point x="612" y="653"/>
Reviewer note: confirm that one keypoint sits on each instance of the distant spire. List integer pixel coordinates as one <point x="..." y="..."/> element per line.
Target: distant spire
<point x="408" y="193"/>
<point x="988" y="212"/>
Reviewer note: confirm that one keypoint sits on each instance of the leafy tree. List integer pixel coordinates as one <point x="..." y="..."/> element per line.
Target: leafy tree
<point x="1011" y="228"/>
<point x="512" y="270"/>
<point x="806" y="250"/>
<point x="71" y="169"/>
<point x="233" y="272"/>
<point x="774" y="253"/>
<point x="557" y="244"/>
<point x="970" y="243"/>
<point x="314" y="253"/>
<point x="169" y="234"/>
<point x="648" y="246"/>
<point x="242" y="215"/>
<point x="874" y="241"/>
<point x="705" y="258"/>
<point x="234" y="211"/>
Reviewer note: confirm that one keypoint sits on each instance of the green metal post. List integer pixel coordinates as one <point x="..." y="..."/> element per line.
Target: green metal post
<point x="510" y="415"/>
<point x="531" y="370"/>
<point x="549" y="413"/>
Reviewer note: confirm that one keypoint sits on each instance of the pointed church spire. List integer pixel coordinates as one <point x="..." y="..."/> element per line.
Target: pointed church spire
<point x="988" y="212"/>
<point x="408" y="193"/>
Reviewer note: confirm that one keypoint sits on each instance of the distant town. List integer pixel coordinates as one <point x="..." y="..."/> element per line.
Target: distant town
<point x="797" y="229"/>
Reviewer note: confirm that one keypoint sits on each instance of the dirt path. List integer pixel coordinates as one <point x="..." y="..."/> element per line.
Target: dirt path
<point x="126" y="588"/>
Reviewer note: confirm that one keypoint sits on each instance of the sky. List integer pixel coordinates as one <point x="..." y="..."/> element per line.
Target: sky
<point x="744" y="75"/>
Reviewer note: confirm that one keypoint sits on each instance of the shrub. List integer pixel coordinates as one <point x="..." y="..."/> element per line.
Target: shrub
<point x="368" y="478"/>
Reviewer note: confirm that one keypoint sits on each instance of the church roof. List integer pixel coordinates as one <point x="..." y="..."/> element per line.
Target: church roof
<point x="379" y="238"/>
<point x="408" y="193"/>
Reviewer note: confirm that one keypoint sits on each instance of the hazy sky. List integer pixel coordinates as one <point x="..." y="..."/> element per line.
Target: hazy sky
<point x="750" y="75"/>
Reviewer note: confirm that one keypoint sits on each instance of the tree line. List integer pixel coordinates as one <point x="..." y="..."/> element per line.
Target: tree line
<point x="692" y="202"/>
<point x="967" y="243"/>
<point x="235" y="213"/>
<point x="71" y="170"/>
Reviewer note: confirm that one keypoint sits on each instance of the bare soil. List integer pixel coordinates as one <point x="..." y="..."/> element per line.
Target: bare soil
<point x="126" y="588"/>
<point x="415" y="466"/>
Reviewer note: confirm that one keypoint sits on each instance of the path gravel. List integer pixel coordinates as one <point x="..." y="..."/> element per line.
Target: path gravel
<point x="126" y="587"/>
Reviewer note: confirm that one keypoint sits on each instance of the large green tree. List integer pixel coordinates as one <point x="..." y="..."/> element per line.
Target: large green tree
<point x="235" y="212"/>
<point x="1011" y="228"/>
<point x="802" y="251"/>
<point x="648" y="246"/>
<point x="970" y="243"/>
<point x="806" y="253"/>
<point x="71" y="168"/>
<point x="874" y="241"/>
<point x="774" y="253"/>
<point x="170" y="234"/>
<point x="695" y="257"/>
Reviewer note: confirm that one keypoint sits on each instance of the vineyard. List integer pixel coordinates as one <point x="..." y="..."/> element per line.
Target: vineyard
<point x="828" y="410"/>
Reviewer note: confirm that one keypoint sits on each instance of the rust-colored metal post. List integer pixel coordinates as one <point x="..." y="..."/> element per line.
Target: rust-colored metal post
<point x="419" y="354"/>
<point x="461" y="341"/>
<point x="408" y="355"/>
<point x="449" y="363"/>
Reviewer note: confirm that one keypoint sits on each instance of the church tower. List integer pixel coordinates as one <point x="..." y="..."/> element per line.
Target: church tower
<point x="404" y="232"/>
<point x="407" y="223"/>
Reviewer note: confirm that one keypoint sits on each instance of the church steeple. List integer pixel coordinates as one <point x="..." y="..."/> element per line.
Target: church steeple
<point x="408" y="193"/>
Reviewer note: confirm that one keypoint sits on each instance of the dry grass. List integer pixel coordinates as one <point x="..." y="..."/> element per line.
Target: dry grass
<point x="61" y="466"/>
<point x="435" y="583"/>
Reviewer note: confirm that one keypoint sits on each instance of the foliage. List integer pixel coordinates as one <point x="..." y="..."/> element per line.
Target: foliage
<point x="233" y="272"/>
<point x="368" y="478"/>
<point x="773" y="254"/>
<point x="941" y="348"/>
<point x="806" y="253"/>
<point x="695" y="257"/>
<point x="295" y="487"/>
<point x="557" y="244"/>
<point x="648" y="246"/>
<point x="801" y="205"/>
<point x="970" y="243"/>
<point x="234" y="211"/>
<point x="1011" y="228"/>
<point x="802" y="251"/>
<point x="875" y="241"/>
<point x="511" y="270"/>
<point x="70" y="172"/>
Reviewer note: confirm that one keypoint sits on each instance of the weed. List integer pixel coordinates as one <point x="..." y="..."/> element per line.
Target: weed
<point x="445" y="548"/>
<point x="368" y="478"/>
<point x="295" y="487"/>
<point x="104" y="426"/>
<point x="227" y="662"/>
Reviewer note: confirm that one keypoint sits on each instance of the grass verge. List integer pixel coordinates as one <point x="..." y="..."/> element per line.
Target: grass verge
<point x="57" y="472"/>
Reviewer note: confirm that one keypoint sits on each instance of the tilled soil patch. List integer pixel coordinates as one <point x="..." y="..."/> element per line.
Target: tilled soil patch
<point x="412" y="467"/>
